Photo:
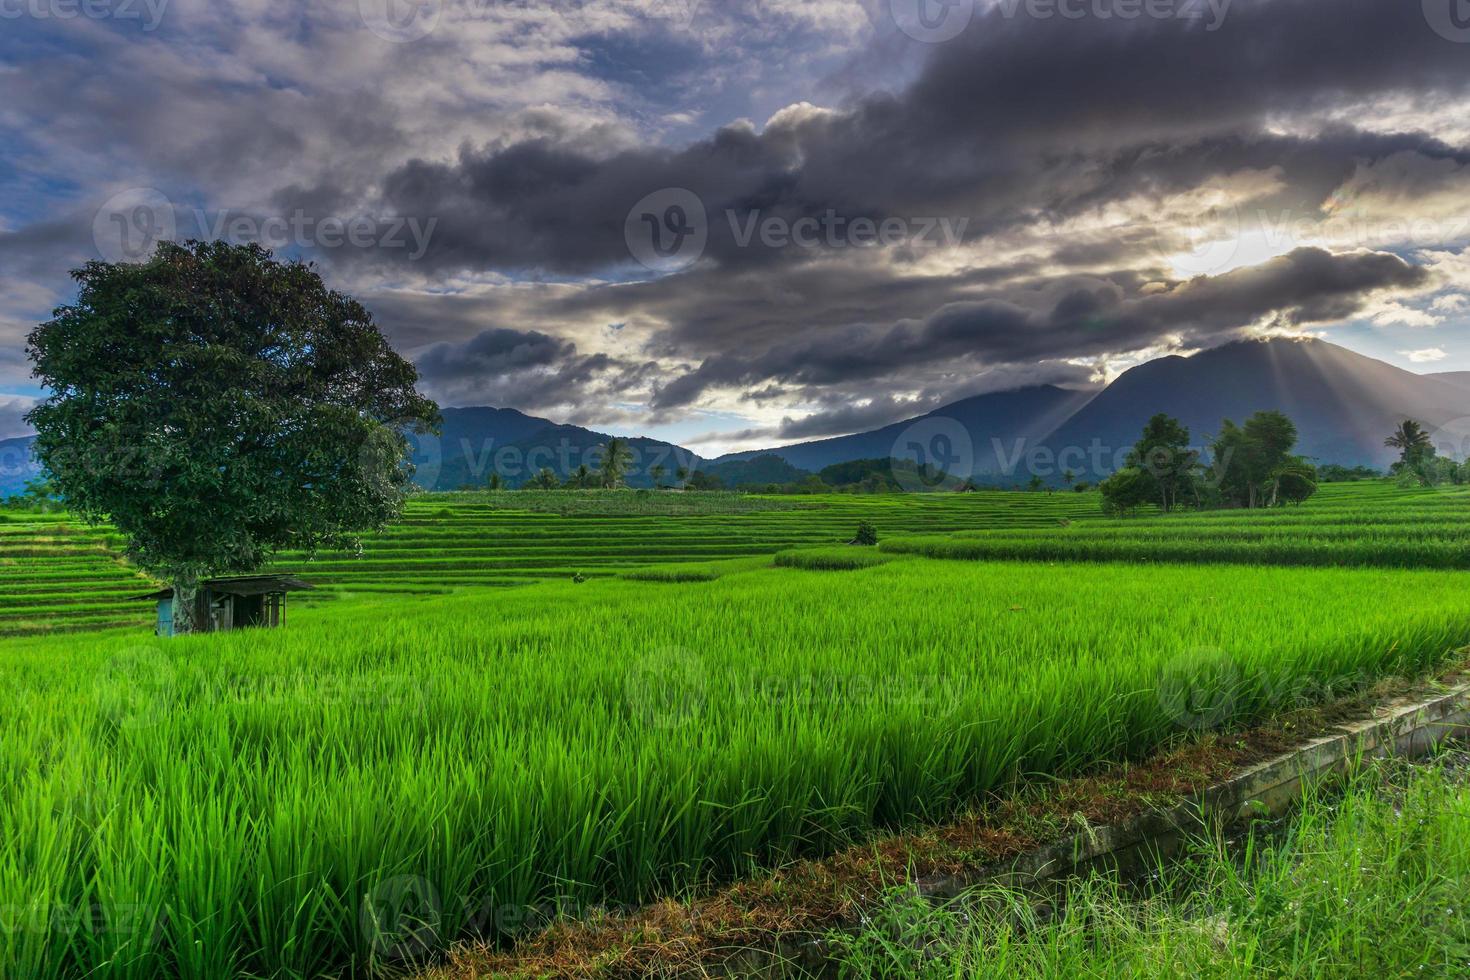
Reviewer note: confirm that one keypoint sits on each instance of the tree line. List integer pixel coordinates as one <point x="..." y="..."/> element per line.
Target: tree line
<point x="1419" y="462"/>
<point x="1251" y="465"/>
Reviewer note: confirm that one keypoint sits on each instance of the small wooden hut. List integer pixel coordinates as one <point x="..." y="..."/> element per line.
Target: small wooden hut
<point x="223" y="604"/>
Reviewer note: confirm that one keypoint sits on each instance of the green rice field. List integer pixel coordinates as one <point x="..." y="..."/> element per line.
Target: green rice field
<point x="426" y="756"/>
<point x="1345" y="525"/>
<point x="60" y="575"/>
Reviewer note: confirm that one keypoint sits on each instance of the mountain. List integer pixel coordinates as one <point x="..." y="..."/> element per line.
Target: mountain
<point x="479" y="441"/>
<point x="992" y="422"/>
<point x="1344" y="404"/>
<point x="17" y="466"/>
<point x="756" y="471"/>
<point x="1459" y="378"/>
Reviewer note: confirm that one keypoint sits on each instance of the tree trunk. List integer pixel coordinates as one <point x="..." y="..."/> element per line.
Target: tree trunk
<point x="184" y="595"/>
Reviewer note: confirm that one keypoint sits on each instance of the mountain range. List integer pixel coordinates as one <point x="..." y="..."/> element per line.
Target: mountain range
<point x="1344" y="405"/>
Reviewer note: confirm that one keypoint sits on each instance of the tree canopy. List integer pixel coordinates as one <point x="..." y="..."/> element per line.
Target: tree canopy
<point x="1251" y="466"/>
<point x="216" y="405"/>
<point x="1166" y="464"/>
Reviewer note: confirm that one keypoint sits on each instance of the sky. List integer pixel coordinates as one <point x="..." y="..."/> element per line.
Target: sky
<point x="743" y="223"/>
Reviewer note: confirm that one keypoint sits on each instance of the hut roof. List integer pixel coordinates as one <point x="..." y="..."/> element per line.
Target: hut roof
<point x="241" y="585"/>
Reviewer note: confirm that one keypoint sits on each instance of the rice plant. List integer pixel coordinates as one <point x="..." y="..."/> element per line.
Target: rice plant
<point x="389" y="775"/>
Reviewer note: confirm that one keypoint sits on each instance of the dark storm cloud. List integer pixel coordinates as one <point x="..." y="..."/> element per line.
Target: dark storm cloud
<point x="1020" y="118"/>
<point x="526" y="369"/>
<point x="1032" y="134"/>
<point x="850" y="417"/>
<point x="1308" y="285"/>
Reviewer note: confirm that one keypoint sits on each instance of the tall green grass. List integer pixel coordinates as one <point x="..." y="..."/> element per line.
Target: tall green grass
<point x="1370" y="884"/>
<point x="386" y="776"/>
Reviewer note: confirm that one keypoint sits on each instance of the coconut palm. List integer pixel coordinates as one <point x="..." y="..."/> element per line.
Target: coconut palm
<point x="1412" y="441"/>
<point x="616" y="457"/>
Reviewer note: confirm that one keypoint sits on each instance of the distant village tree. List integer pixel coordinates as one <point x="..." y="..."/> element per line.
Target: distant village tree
<point x="581" y="479"/>
<point x="1412" y="442"/>
<point x="615" y="459"/>
<point x="1253" y="464"/>
<point x="1126" y="491"/>
<point x="1167" y="463"/>
<point x="216" y="405"/>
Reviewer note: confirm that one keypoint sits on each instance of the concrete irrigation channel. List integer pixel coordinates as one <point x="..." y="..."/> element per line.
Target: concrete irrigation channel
<point x="1409" y="728"/>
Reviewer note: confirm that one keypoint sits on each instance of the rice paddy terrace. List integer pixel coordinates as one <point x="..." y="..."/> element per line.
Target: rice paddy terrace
<point x="1350" y="525"/>
<point x="267" y="803"/>
<point x="61" y="575"/>
<point x="733" y="688"/>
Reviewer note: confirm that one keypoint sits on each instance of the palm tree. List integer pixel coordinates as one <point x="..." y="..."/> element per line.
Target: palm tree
<point x="657" y="472"/>
<point x="545" y="480"/>
<point x="615" y="459"/>
<point x="1410" y="439"/>
<point x="582" y="479"/>
<point x="681" y="474"/>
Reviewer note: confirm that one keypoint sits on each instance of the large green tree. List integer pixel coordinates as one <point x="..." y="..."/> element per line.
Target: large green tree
<point x="217" y="405"/>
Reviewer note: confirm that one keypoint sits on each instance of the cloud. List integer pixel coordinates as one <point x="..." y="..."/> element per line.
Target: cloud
<point x="12" y="411"/>
<point x="1085" y="317"/>
<point x="1426" y="356"/>
<point x="524" y="369"/>
<point x="1094" y="166"/>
